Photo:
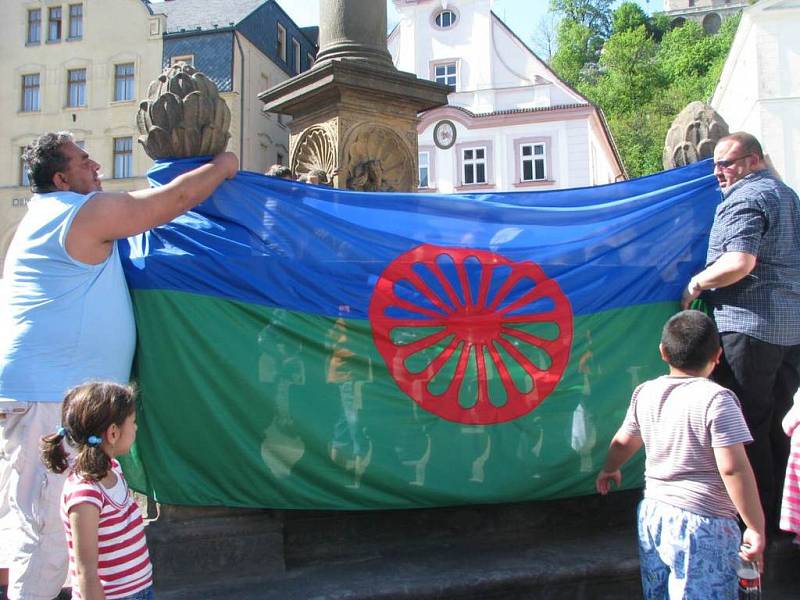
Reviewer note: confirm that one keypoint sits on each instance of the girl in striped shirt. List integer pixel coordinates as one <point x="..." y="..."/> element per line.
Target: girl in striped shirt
<point x="108" y="556"/>
<point x="790" y="509"/>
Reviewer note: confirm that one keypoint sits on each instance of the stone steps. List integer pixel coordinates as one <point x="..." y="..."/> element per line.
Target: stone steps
<point x="598" y="566"/>
<point x="573" y="549"/>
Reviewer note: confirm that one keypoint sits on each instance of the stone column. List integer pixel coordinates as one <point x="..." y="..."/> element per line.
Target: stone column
<point x="354" y="115"/>
<point x="352" y="30"/>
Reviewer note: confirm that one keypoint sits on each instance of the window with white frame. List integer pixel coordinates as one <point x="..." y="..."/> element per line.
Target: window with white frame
<point x="75" y="21"/>
<point x="76" y="88"/>
<point x="310" y="58"/>
<point x="445" y="19"/>
<point x="445" y="73"/>
<point x="54" y="24"/>
<point x="123" y="82"/>
<point x="473" y="165"/>
<point x="185" y="58"/>
<point x="297" y="56"/>
<point x="123" y="157"/>
<point x="30" y="93"/>
<point x="533" y="162"/>
<point x="424" y="169"/>
<point x="281" y="49"/>
<point x="23" y="170"/>
<point x="34" y="26"/>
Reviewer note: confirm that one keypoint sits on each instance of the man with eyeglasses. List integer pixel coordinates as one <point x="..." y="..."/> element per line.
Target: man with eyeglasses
<point x="752" y="281"/>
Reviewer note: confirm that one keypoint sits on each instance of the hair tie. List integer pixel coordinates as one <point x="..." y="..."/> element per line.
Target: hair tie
<point x="93" y="440"/>
<point x="61" y="432"/>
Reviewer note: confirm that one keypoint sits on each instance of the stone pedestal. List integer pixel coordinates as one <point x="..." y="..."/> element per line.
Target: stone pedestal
<point x="200" y="545"/>
<point x="354" y="115"/>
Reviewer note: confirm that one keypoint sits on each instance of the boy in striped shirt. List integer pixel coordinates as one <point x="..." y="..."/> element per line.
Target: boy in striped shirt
<point x="697" y="476"/>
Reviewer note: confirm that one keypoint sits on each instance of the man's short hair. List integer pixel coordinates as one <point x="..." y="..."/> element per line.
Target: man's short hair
<point x="44" y="158"/>
<point x="747" y="141"/>
<point x="281" y="171"/>
<point x="321" y="176"/>
<point x="690" y="340"/>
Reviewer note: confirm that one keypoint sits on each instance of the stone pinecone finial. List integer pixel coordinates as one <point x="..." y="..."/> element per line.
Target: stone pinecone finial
<point x="183" y="115"/>
<point x="693" y="135"/>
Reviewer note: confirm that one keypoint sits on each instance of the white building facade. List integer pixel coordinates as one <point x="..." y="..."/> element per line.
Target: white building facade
<point x="510" y="124"/>
<point x="709" y="13"/>
<point x="759" y="89"/>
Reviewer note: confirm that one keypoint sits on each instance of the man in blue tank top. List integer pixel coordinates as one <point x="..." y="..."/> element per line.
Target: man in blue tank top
<point x="66" y="318"/>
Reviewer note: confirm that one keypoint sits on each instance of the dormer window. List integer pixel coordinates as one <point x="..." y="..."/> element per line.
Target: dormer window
<point x="445" y="19"/>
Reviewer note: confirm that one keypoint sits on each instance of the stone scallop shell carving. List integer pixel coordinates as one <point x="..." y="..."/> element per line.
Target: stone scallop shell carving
<point x="378" y="160"/>
<point x="183" y="115"/>
<point x="315" y="151"/>
<point x="693" y="135"/>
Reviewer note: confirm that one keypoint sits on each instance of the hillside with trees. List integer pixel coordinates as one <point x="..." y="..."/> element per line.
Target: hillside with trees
<point x="637" y="69"/>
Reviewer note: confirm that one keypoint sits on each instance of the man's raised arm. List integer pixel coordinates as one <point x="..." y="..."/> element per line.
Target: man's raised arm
<point x="107" y="217"/>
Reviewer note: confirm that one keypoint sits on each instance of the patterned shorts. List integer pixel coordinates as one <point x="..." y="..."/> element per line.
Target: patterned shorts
<point x="685" y="555"/>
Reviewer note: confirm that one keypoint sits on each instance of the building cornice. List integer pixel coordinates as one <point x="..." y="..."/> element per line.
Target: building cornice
<point x="512" y="116"/>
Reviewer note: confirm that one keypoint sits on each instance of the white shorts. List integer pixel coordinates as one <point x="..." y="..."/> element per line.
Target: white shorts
<point x="33" y="547"/>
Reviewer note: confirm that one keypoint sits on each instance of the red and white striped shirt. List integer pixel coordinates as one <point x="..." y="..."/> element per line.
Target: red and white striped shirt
<point x="790" y="509"/>
<point x="123" y="563"/>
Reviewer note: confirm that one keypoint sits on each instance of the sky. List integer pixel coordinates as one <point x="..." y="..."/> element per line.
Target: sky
<point x="522" y="16"/>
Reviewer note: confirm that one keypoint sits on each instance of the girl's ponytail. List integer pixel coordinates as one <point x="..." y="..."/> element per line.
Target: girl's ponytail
<point x="92" y="462"/>
<point x="54" y="456"/>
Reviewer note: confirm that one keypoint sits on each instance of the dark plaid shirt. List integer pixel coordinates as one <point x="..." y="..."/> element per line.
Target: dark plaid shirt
<point x="760" y="216"/>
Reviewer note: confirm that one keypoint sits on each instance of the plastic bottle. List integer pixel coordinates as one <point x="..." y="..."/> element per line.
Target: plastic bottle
<point x="749" y="580"/>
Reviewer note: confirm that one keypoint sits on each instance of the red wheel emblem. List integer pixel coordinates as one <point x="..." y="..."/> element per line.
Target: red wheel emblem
<point x="470" y="335"/>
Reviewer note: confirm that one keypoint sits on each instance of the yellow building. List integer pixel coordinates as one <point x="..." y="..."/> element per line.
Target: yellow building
<point x="83" y="66"/>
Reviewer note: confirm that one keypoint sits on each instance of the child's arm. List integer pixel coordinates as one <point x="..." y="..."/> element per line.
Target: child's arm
<point x="737" y="475"/>
<point x="84" y="519"/>
<point x="623" y="446"/>
<point x="792" y="420"/>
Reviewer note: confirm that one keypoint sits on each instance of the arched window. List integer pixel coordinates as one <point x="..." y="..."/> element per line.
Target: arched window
<point x="445" y="19"/>
<point x="711" y="23"/>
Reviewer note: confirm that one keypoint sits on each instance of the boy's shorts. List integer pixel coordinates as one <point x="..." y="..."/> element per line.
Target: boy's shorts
<point x="686" y="555"/>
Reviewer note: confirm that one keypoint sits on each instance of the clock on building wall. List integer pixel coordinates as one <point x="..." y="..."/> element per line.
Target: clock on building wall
<point x="444" y="134"/>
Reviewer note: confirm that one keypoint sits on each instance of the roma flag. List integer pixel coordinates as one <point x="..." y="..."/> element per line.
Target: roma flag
<point x="304" y="347"/>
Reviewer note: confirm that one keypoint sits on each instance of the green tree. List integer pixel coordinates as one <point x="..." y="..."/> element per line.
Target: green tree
<point x="630" y="73"/>
<point x="594" y="14"/>
<point x="577" y="47"/>
<point x="626" y="89"/>
<point x="628" y="16"/>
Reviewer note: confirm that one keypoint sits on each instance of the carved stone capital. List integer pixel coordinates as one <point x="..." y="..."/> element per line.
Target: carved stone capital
<point x="183" y="115"/>
<point x="693" y="135"/>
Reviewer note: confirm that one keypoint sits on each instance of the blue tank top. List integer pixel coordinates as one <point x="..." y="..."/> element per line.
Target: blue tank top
<point x="62" y="322"/>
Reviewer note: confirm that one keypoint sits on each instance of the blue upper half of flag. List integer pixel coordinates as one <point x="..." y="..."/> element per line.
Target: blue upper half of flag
<point x="315" y="249"/>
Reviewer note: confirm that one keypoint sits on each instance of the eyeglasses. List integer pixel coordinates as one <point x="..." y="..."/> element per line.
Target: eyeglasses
<point x="724" y="164"/>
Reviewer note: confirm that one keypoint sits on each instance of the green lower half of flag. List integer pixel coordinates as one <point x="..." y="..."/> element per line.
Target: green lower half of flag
<point x="248" y="406"/>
